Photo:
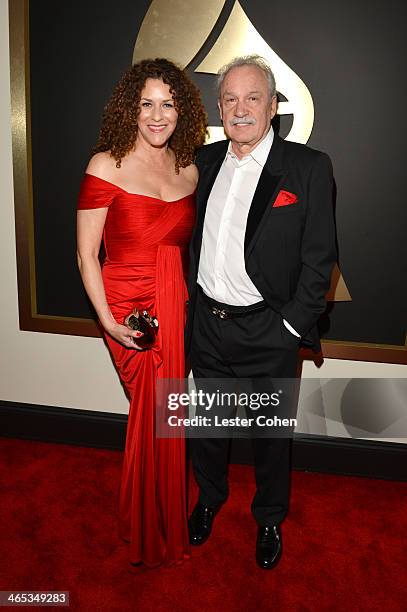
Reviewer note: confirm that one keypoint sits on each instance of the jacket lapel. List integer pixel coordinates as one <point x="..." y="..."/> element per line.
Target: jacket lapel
<point x="266" y="192"/>
<point x="208" y="173"/>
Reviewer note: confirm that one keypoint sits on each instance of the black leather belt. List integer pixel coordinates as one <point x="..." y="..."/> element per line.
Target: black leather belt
<point x="227" y="311"/>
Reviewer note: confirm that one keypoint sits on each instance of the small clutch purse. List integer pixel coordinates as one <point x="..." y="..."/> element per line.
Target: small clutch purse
<point x="142" y="321"/>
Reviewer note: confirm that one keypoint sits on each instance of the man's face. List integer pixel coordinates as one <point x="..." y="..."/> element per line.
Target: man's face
<point x="245" y="106"/>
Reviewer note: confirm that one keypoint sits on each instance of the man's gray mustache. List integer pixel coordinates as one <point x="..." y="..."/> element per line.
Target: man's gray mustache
<point x="246" y="121"/>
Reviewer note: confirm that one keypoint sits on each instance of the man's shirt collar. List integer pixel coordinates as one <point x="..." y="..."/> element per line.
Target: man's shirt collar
<point x="259" y="153"/>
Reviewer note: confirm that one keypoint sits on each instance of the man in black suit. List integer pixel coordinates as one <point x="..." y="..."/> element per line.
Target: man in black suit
<point x="261" y="259"/>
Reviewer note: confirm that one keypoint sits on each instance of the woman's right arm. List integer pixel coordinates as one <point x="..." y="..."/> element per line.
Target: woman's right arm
<point x="90" y="224"/>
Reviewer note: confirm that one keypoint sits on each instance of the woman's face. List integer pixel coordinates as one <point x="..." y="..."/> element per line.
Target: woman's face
<point x="158" y="117"/>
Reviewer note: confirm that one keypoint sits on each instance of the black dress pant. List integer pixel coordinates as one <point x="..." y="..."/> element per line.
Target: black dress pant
<point x="253" y="345"/>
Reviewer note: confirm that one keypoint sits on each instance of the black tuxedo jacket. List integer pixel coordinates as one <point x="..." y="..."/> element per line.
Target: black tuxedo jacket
<point x="289" y="250"/>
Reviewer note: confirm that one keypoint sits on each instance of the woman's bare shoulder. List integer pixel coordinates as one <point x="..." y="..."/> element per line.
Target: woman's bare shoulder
<point x="191" y="173"/>
<point x="101" y="165"/>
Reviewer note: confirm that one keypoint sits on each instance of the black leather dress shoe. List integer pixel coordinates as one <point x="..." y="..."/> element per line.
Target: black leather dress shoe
<point x="200" y="524"/>
<point x="268" y="546"/>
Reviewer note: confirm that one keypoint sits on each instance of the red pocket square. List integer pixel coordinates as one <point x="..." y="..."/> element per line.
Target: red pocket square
<point x="285" y="198"/>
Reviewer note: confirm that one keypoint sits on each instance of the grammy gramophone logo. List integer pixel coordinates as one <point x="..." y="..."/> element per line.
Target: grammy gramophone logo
<point x="179" y="29"/>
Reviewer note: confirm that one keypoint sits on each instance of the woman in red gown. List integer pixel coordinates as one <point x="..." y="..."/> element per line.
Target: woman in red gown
<point x="138" y="195"/>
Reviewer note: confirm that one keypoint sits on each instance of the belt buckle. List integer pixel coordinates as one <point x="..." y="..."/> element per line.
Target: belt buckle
<point x="219" y="312"/>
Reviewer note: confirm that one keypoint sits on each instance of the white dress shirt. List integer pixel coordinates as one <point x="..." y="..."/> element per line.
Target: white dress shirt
<point x="222" y="271"/>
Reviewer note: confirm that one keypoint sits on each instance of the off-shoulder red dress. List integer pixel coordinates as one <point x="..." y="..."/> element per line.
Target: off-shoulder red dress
<point x="146" y="243"/>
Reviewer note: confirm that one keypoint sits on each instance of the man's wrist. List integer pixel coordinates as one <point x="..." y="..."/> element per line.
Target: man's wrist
<point x="291" y="329"/>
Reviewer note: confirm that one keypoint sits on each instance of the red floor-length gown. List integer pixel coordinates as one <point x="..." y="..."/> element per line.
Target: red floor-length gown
<point x="146" y="243"/>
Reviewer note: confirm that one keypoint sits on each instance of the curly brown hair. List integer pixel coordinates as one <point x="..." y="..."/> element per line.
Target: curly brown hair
<point x="119" y="124"/>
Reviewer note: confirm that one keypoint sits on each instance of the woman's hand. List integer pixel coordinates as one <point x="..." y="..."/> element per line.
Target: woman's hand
<point x="90" y="230"/>
<point x="127" y="337"/>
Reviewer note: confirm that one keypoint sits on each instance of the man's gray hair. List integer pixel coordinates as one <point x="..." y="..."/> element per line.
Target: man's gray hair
<point x="248" y="60"/>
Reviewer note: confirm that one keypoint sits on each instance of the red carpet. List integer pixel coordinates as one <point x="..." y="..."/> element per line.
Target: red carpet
<point x="344" y="541"/>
